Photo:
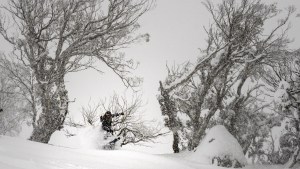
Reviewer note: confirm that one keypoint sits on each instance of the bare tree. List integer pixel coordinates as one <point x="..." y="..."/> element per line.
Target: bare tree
<point x="53" y="38"/>
<point x="131" y="126"/>
<point x="235" y="51"/>
<point x="24" y="82"/>
<point x="14" y="110"/>
<point x="90" y="114"/>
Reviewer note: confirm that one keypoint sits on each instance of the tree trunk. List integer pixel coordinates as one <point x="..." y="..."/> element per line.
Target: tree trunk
<point x="294" y="159"/>
<point x="196" y="137"/>
<point x="168" y="108"/>
<point x="175" y="142"/>
<point x="54" y="111"/>
<point x="199" y="130"/>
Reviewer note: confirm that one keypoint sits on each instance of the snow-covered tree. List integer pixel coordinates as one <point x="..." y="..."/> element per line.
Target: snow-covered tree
<point x="53" y="38"/>
<point x="283" y="77"/>
<point x="24" y="82"/>
<point x="14" y="109"/>
<point x="236" y="50"/>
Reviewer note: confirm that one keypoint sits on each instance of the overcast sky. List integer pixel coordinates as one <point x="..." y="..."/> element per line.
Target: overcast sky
<point x="176" y="34"/>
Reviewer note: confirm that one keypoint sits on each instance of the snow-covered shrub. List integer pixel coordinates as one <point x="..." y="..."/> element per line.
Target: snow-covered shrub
<point x="288" y="143"/>
<point x="226" y="162"/>
<point x="220" y="148"/>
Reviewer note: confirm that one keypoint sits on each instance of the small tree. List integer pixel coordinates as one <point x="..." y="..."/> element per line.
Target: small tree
<point x="90" y="114"/>
<point x="53" y="38"/>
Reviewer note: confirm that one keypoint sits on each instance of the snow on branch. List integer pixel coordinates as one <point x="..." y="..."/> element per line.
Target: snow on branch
<point x="183" y="79"/>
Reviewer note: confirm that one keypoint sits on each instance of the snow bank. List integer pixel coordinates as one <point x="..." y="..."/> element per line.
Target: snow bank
<point x="218" y="143"/>
<point x="59" y="138"/>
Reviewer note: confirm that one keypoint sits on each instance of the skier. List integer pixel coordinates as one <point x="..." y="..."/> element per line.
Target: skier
<point x="1" y="110"/>
<point x="106" y="120"/>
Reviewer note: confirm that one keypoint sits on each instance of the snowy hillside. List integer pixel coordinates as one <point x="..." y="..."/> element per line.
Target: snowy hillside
<point x="22" y="154"/>
<point x="16" y="153"/>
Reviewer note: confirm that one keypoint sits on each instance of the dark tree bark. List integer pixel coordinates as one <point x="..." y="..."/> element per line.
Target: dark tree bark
<point x="175" y="142"/>
<point x="168" y="108"/>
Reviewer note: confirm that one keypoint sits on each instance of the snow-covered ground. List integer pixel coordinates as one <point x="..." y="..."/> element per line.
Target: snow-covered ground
<point x="16" y="153"/>
<point x="22" y="154"/>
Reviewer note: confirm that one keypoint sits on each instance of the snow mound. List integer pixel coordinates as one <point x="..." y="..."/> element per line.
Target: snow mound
<point x="218" y="143"/>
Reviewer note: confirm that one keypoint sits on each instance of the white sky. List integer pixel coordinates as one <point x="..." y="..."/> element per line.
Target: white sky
<point x="175" y="36"/>
<point x="176" y="33"/>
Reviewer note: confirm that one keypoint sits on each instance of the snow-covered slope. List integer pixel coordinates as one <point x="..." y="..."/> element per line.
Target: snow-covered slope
<point x="22" y="154"/>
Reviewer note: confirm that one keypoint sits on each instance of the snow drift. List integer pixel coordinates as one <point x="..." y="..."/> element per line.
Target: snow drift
<point x="218" y="143"/>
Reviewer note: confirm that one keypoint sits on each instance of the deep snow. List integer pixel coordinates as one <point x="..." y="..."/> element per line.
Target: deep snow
<point x="16" y="153"/>
<point x="22" y="154"/>
<point x="218" y="142"/>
